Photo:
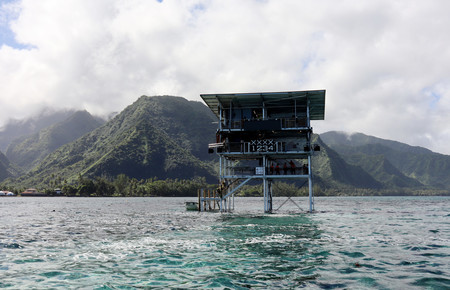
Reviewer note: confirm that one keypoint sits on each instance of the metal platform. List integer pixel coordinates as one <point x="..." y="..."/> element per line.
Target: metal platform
<point x="258" y="130"/>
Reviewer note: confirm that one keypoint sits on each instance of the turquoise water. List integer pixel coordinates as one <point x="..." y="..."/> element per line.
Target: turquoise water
<point x="135" y="243"/>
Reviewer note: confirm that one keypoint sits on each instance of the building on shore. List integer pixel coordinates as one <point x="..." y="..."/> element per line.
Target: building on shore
<point x="32" y="192"/>
<point x="6" y="193"/>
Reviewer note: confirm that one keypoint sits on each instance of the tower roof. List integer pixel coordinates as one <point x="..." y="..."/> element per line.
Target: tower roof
<point x="316" y="100"/>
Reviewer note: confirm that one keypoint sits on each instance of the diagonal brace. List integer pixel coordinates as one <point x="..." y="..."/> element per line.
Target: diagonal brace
<point x="236" y="188"/>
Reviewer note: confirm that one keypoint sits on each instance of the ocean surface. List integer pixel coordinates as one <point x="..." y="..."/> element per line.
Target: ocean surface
<point x="136" y="243"/>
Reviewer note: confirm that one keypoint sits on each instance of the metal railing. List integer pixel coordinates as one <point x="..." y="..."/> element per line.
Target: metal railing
<point x="286" y="123"/>
<point x="254" y="147"/>
<point x="272" y="171"/>
<point x="263" y="147"/>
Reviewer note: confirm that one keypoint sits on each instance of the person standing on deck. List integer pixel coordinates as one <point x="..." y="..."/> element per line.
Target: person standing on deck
<point x="292" y="167"/>
<point x="305" y="169"/>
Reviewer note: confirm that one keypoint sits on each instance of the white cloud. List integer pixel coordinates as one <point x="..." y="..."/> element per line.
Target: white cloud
<point x="381" y="62"/>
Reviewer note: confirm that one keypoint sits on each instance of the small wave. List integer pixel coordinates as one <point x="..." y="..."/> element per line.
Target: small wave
<point x="440" y="255"/>
<point x="52" y="274"/>
<point x="416" y="248"/>
<point x="11" y="245"/>
<point x="332" y="285"/>
<point x="24" y="261"/>
<point x="437" y="246"/>
<point x="353" y="254"/>
<point x="433" y="283"/>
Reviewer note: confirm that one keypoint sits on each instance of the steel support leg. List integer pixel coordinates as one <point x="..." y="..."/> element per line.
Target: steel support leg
<point x="267" y="188"/>
<point x="311" y="194"/>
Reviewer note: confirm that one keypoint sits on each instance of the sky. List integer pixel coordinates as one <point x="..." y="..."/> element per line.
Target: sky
<point x="384" y="64"/>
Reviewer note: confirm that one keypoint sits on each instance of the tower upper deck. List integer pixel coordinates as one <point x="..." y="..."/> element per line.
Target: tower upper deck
<point x="267" y="106"/>
<point x="250" y="123"/>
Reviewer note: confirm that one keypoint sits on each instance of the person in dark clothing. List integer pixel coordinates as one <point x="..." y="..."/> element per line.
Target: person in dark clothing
<point x="305" y="169"/>
<point x="285" y="168"/>
<point x="277" y="169"/>
<point x="292" y="164"/>
<point x="271" y="168"/>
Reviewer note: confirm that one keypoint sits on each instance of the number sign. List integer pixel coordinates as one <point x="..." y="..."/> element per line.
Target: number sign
<point x="267" y="145"/>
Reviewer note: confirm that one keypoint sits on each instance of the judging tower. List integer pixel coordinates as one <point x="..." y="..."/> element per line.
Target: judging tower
<point x="263" y="136"/>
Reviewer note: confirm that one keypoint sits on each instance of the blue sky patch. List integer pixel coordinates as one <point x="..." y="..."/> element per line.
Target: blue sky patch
<point x="433" y="97"/>
<point x="7" y="36"/>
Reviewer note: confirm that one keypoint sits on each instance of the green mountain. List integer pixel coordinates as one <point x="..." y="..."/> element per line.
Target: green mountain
<point x="4" y="167"/>
<point x="18" y="128"/>
<point x="330" y="170"/>
<point x="190" y="124"/>
<point x="393" y="163"/>
<point x="143" y="141"/>
<point x="28" y="151"/>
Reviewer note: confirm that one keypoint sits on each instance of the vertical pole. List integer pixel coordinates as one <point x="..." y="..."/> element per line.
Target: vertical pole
<point x="233" y="201"/>
<point x="225" y="169"/>
<point x="224" y="200"/>
<point x="220" y="116"/>
<point x="308" y="124"/>
<point x="220" y="167"/>
<point x="264" y="186"/>
<point x="311" y="194"/>
<point x="198" y="193"/>
<point x="264" y="111"/>
<point x="204" y="200"/>
<point x="269" y="185"/>
<point x="265" y="195"/>
<point x="209" y="199"/>
<point x="230" y="122"/>
<point x="200" y="200"/>
<point x="220" y="177"/>
<point x="295" y="111"/>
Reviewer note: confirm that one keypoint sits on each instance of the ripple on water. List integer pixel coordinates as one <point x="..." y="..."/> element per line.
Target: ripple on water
<point x="11" y="245"/>
<point x="353" y="254"/>
<point x="433" y="283"/>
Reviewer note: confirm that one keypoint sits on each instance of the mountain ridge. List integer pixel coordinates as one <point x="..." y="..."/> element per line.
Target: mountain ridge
<point x="336" y="172"/>
<point x="28" y="151"/>
<point x="426" y="167"/>
<point x="167" y="137"/>
<point x="127" y="144"/>
<point x="5" y="171"/>
<point x="17" y="128"/>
